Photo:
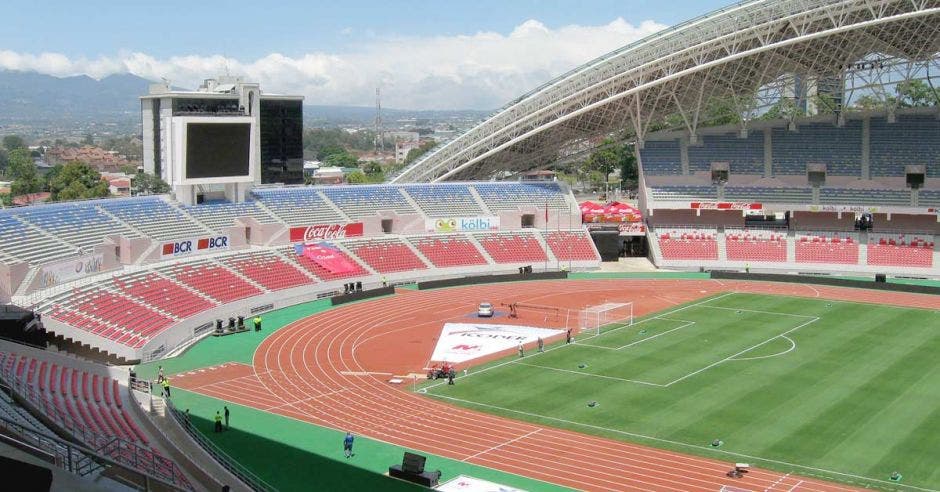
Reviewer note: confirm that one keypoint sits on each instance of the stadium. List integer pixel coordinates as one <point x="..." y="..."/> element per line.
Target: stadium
<point x="786" y="342"/>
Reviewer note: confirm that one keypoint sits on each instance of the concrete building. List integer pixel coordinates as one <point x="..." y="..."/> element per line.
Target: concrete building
<point x="226" y="135"/>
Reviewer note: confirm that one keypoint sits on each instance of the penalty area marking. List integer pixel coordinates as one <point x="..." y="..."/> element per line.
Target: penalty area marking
<point x="787" y="351"/>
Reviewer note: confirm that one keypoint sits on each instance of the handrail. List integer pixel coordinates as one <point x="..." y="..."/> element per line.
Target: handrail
<point x="244" y="474"/>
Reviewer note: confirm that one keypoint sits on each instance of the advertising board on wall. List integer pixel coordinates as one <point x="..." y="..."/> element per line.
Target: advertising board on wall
<point x="187" y="247"/>
<point x="66" y="271"/>
<point x="462" y="224"/>
<point x="725" y="206"/>
<point x="324" y="232"/>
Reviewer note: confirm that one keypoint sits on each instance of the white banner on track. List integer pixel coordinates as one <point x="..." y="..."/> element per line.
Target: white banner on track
<point x="460" y="342"/>
<point x="463" y="483"/>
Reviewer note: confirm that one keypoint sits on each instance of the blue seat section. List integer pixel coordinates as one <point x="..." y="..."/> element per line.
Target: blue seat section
<point x="745" y="155"/>
<point x="510" y="196"/>
<point x="155" y="217"/>
<point x="367" y="200"/>
<point x="445" y="200"/>
<point x="302" y="206"/>
<point x="760" y="194"/>
<point x="840" y="149"/>
<point x="928" y="198"/>
<point x="220" y="215"/>
<point x="911" y="140"/>
<point x="684" y="193"/>
<point x="851" y="196"/>
<point x="661" y="157"/>
<point x="78" y="223"/>
<point x="25" y="243"/>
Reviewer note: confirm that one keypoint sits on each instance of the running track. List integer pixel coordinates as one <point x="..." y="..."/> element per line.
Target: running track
<point x="316" y="370"/>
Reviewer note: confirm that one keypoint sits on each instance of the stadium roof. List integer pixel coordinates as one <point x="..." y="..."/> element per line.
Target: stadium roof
<point x="746" y="54"/>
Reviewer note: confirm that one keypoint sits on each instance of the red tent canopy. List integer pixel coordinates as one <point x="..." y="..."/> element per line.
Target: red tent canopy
<point x="612" y="212"/>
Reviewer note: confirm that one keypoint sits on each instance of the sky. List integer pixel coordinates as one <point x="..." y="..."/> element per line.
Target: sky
<point x="443" y="54"/>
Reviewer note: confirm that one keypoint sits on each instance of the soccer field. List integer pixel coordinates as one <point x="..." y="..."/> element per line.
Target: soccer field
<point x="840" y="390"/>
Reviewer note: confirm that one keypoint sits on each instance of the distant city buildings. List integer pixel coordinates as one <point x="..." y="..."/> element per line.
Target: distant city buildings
<point x="100" y="159"/>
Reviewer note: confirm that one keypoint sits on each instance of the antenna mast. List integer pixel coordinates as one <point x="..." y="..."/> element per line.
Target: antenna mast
<point x="379" y="138"/>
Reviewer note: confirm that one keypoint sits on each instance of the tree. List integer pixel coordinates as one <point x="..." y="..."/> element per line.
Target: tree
<point x="356" y="177"/>
<point x="629" y="175"/>
<point x="915" y="94"/>
<point x="23" y="171"/>
<point x="149" y="184"/>
<point x="415" y="153"/>
<point x="604" y="160"/>
<point x="89" y="139"/>
<point x="13" y="142"/>
<point x="868" y="102"/>
<point x="343" y="159"/>
<point x="76" y="181"/>
<point x="4" y="161"/>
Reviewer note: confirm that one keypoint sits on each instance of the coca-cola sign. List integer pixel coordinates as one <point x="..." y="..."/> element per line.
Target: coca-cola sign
<point x="323" y="232"/>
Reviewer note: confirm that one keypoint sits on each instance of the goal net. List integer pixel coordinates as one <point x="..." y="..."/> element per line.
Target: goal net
<point x="605" y="317"/>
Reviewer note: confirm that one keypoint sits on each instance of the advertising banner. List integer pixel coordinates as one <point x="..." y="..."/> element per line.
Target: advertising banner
<point x="325" y="232"/>
<point x="460" y="342"/>
<point x="463" y="483"/>
<point x="66" y="271"/>
<point x="726" y="206"/>
<point x="328" y="258"/>
<point x="460" y="224"/>
<point x="186" y="247"/>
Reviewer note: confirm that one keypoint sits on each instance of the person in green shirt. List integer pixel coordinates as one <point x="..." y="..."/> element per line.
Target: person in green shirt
<point x="166" y="387"/>
<point x="218" y="421"/>
<point x="257" y="323"/>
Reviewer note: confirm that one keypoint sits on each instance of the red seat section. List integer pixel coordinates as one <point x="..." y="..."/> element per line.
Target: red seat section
<point x="215" y="281"/>
<point x="756" y="245"/>
<point x="903" y="250"/>
<point x="449" y="251"/>
<point x="164" y="294"/>
<point x="269" y="270"/>
<point x="512" y="247"/>
<point x="42" y="376"/>
<point x="116" y="392"/>
<point x="571" y="245"/>
<point x="841" y="248"/>
<point x="387" y="256"/>
<point x="690" y="244"/>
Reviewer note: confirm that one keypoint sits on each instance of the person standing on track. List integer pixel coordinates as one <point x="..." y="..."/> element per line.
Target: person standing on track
<point x="226" y="417"/>
<point x="257" y="323"/>
<point x="521" y="350"/>
<point x="568" y="336"/>
<point x="218" y="422"/>
<point x="541" y="344"/>
<point x="166" y="387"/>
<point x="348" y="444"/>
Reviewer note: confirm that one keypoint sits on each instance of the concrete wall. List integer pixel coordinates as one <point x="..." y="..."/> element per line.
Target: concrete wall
<point x="11" y="276"/>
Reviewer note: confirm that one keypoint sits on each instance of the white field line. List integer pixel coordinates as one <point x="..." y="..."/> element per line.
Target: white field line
<point x="590" y="374"/>
<point x="797" y="484"/>
<point x="752" y="347"/>
<point x="565" y="345"/>
<point x="787" y="351"/>
<point x="759" y="312"/>
<point x="659" y="316"/>
<point x="777" y="482"/>
<point x="687" y="324"/>
<point x="303" y="400"/>
<point x="501" y="445"/>
<point x="682" y="444"/>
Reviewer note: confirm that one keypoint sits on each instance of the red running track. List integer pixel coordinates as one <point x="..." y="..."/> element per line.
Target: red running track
<point x="316" y="370"/>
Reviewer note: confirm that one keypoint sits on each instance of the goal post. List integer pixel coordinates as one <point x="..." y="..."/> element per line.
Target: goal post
<point x="602" y="318"/>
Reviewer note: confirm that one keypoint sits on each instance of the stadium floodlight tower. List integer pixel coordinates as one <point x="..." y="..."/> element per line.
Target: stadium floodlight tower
<point x="746" y="57"/>
<point x="221" y="139"/>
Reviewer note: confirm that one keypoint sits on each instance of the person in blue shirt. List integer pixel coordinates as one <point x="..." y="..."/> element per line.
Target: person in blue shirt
<point x="348" y="444"/>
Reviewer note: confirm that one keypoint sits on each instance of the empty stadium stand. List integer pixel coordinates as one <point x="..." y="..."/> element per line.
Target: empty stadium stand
<point x="905" y="250"/>
<point x="756" y="245"/>
<point x="79" y="224"/>
<point x="667" y="193"/>
<point x="445" y="200"/>
<point x="155" y="217"/>
<point x="827" y="247"/>
<point x="212" y="280"/>
<point x="571" y="245"/>
<point x="512" y="247"/>
<point x="220" y="215"/>
<point x="449" y="250"/>
<point x="268" y="269"/>
<point x="744" y="155"/>
<point x="688" y="244"/>
<point x="365" y="201"/>
<point x="298" y="206"/>
<point x="511" y="196"/>
<point x="387" y="255"/>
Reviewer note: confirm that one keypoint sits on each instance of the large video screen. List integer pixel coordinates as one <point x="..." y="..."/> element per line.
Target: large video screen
<point x="217" y="150"/>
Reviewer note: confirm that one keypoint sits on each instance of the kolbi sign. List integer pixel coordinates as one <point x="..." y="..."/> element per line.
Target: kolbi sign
<point x="197" y="245"/>
<point x="456" y="224"/>
<point x="323" y="232"/>
<point x="67" y="271"/>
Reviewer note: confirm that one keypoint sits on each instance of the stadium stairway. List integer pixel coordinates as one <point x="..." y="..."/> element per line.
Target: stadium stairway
<point x="238" y="274"/>
<point x="483" y="252"/>
<point x="791" y="246"/>
<point x="863" y="248"/>
<point x="480" y="202"/>
<point x="722" y="246"/>
<point x="334" y="206"/>
<point x="549" y="254"/>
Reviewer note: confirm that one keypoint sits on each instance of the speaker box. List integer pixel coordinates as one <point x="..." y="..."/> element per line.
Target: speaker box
<point x="880" y="277"/>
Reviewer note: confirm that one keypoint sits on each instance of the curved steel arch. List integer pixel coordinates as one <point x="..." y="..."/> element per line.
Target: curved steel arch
<point x="732" y="53"/>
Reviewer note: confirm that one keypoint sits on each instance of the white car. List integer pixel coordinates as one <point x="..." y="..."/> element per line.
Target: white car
<point x="485" y="310"/>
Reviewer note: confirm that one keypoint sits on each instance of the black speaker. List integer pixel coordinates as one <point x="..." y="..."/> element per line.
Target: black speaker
<point x="218" y="325"/>
<point x="413" y="463"/>
<point x="241" y="321"/>
<point x="231" y="323"/>
<point x="880" y="277"/>
<point x="358" y="286"/>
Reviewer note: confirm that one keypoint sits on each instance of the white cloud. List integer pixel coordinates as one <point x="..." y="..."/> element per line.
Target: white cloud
<point x="482" y="70"/>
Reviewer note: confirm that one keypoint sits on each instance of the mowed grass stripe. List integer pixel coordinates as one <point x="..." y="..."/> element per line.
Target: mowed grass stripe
<point x="857" y="396"/>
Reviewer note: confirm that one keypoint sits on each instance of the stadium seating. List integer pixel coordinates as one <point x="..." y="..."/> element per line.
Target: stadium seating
<point x="511" y="196"/>
<point x="900" y="198"/>
<point x="220" y="215"/>
<point x="298" y="206"/>
<point x="29" y="244"/>
<point x="449" y="250"/>
<point x="268" y="270"/>
<point x="840" y="248"/>
<point x="839" y="148"/>
<point x="512" y="247"/>
<point x="911" y="140"/>
<point x="762" y="194"/>
<point x="155" y="217"/>
<point x="755" y="245"/>
<point x="445" y="200"/>
<point x="688" y="244"/>
<point x="162" y="293"/>
<point x="903" y="250"/>
<point x="571" y="245"/>
<point x="80" y="224"/>
<point x="386" y="255"/>
<point x="367" y="201"/>
<point x="929" y="198"/>
<point x="320" y="272"/>
<point x="744" y="155"/>
<point x="677" y="193"/>
<point x="661" y="157"/>
<point x="212" y="280"/>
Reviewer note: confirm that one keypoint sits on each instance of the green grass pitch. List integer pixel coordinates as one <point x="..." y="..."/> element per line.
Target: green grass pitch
<point x="838" y="390"/>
